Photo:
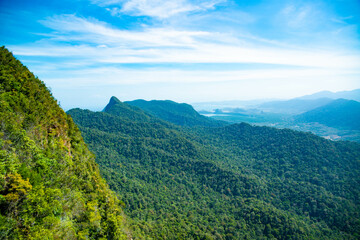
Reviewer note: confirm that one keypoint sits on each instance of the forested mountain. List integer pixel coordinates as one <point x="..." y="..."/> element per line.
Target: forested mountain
<point x="116" y="107"/>
<point x="178" y="113"/>
<point x="340" y="113"/>
<point x="50" y="186"/>
<point x="230" y="182"/>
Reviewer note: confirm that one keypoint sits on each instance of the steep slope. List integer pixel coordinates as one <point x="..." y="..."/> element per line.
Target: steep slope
<point x="340" y="113"/>
<point x="178" y="113"/>
<point x="232" y="182"/>
<point x="50" y="186"/>
<point x="116" y="107"/>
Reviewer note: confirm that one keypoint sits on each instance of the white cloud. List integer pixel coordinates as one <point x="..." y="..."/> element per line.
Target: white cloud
<point x="105" y="44"/>
<point x="342" y="20"/>
<point x="298" y="16"/>
<point x="156" y="8"/>
<point x="98" y="45"/>
<point x="73" y="28"/>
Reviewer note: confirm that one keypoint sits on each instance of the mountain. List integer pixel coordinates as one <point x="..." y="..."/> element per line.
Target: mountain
<point x="50" y="185"/>
<point x="340" y="113"/>
<point x="116" y="107"/>
<point x="350" y="95"/>
<point x="178" y="113"/>
<point x="293" y="106"/>
<point x="230" y="182"/>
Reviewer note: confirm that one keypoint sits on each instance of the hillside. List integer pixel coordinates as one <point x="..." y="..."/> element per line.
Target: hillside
<point x="50" y="187"/>
<point x="178" y="113"/>
<point x="116" y="107"/>
<point x="231" y="182"/>
<point x="340" y="113"/>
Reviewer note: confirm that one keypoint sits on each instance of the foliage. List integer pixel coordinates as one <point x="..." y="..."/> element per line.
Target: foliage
<point x="231" y="182"/>
<point x="50" y="186"/>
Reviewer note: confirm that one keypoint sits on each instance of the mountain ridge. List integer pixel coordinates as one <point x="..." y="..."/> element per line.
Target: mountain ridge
<point x="294" y="106"/>
<point x="350" y="95"/>
<point x="341" y="113"/>
<point x="177" y="113"/>
<point x="50" y="185"/>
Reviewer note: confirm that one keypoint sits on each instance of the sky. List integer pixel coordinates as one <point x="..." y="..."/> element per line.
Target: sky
<point x="184" y="50"/>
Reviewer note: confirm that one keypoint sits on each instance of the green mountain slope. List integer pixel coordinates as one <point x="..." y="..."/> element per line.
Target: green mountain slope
<point x="50" y="186"/>
<point x="178" y="113"/>
<point x="232" y="182"/>
<point x="340" y="113"/>
<point x="307" y="174"/>
<point x="116" y="107"/>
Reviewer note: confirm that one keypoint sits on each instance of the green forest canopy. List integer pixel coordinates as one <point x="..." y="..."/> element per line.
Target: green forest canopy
<point x="50" y="186"/>
<point x="230" y="182"/>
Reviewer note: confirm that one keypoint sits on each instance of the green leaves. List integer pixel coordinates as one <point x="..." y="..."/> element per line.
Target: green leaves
<point x="232" y="182"/>
<point x="50" y="186"/>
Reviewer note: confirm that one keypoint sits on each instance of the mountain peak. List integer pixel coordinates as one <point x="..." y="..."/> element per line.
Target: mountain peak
<point x="177" y="113"/>
<point x="113" y="101"/>
<point x="131" y="113"/>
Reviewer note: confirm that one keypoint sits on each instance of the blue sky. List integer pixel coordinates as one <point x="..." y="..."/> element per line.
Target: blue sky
<point x="185" y="50"/>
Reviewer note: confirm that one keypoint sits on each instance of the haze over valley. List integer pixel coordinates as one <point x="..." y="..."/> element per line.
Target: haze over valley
<point x="331" y="115"/>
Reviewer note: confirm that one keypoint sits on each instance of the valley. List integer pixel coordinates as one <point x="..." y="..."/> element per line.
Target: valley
<point x="215" y="181"/>
<point x="334" y="119"/>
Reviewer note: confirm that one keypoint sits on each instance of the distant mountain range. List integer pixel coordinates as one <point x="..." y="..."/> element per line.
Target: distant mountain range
<point x="294" y="106"/>
<point x="308" y="102"/>
<point x="340" y="113"/>
<point x="320" y="113"/>
<point x="350" y="95"/>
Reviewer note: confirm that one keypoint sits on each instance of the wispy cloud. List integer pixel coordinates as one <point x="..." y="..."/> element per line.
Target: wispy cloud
<point x="342" y="20"/>
<point x="104" y="43"/>
<point x="156" y="8"/>
<point x="297" y="16"/>
<point x="303" y="44"/>
<point x="73" y="28"/>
